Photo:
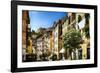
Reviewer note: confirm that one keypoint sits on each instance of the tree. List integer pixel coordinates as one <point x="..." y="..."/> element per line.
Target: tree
<point x="72" y="40"/>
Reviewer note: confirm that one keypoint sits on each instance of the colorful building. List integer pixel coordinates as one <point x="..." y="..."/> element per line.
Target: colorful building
<point x="39" y="47"/>
<point x="44" y="43"/>
<point x="57" y="38"/>
<point x="25" y="22"/>
<point x="26" y="36"/>
<point x="48" y="41"/>
<point x="83" y="21"/>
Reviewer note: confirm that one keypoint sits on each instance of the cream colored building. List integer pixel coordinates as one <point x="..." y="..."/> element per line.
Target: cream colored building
<point x="57" y="38"/>
<point x="47" y="42"/>
<point x="39" y="47"/>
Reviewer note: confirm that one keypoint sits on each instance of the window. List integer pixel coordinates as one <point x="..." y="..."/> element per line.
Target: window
<point x="79" y="18"/>
<point x="55" y="35"/>
<point x="69" y="20"/>
<point x="80" y="53"/>
<point x="88" y="53"/>
<point x="87" y="16"/>
<point x="73" y="16"/>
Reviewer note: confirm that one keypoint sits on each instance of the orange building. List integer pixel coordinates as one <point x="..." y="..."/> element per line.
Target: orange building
<point x="25" y="22"/>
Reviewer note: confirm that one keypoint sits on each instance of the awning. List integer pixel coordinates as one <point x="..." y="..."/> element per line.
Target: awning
<point x="62" y="50"/>
<point x="81" y="24"/>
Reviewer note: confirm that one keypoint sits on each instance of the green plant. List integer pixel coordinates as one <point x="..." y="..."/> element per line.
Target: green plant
<point x="72" y="40"/>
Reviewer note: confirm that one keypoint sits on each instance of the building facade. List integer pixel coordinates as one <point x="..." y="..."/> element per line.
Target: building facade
<point x="26" y="37"/>
<point x="25" y="22"/>
<point x="83" y="22"/>
<point x="47" y="43"/>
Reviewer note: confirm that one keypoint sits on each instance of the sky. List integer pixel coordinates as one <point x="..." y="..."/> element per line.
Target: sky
<point x="44" y="19"/>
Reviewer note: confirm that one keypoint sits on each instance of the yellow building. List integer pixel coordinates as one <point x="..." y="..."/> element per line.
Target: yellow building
<point x="82" y="20"/>
<point x="78" y="21"/>
<point x="29" y="46"/>
<point x="65" y="26"/>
